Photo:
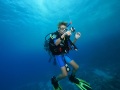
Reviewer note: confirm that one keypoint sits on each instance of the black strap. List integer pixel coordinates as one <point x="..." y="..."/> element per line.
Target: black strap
<point x="75" y="48"/>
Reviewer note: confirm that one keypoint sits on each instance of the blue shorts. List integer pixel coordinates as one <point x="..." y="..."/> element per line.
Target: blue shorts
<point x="62" y="59"/>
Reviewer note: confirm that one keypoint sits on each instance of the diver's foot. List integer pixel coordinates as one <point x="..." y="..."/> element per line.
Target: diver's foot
<point x="73" y="79"/>
<point x="54" y="82"/>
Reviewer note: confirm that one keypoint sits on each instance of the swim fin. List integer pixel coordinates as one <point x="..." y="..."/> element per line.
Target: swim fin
<point x="55" y="84"/>
<point x="81" y="84"/>
<point x="59" y="88"/>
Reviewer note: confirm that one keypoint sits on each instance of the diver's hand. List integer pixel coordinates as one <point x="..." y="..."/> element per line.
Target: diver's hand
<point x="68" y="33"/>
<point x="77" y="35"/>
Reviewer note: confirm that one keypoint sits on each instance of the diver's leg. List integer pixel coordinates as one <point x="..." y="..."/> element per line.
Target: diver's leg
<point x="83" y="85"/>
<point x="63" y="74"/>
<point x="61" y="63"/>
<point x="54" y="80"/>
<point x="75" y="67"/>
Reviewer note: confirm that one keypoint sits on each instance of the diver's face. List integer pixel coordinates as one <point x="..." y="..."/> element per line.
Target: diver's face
<point x="62" y="29"/>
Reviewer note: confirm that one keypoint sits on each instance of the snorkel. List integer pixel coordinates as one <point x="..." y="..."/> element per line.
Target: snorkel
<point x="72" y="29"/>
<point x="69" y="24"/>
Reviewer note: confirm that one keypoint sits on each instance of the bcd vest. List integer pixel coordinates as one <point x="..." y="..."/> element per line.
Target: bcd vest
<point x="63" y="47"/>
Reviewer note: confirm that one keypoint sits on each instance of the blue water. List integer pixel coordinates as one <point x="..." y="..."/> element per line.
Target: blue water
<point x="24" y="24"/>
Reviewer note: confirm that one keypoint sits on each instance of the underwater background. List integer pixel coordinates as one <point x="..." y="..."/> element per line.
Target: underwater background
<point x="25" y="23"/>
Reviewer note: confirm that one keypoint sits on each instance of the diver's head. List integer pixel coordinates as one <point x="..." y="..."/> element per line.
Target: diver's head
<point x="62" y="27"/>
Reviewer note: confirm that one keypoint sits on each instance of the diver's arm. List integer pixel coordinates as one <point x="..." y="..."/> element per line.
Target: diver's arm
<point x="58" y="41"/>
<point x="77" y="35"/>
<point x="74" y="41"/>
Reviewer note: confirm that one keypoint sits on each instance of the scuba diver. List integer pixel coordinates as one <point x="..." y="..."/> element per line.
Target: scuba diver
<point x="60" y="45"/>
